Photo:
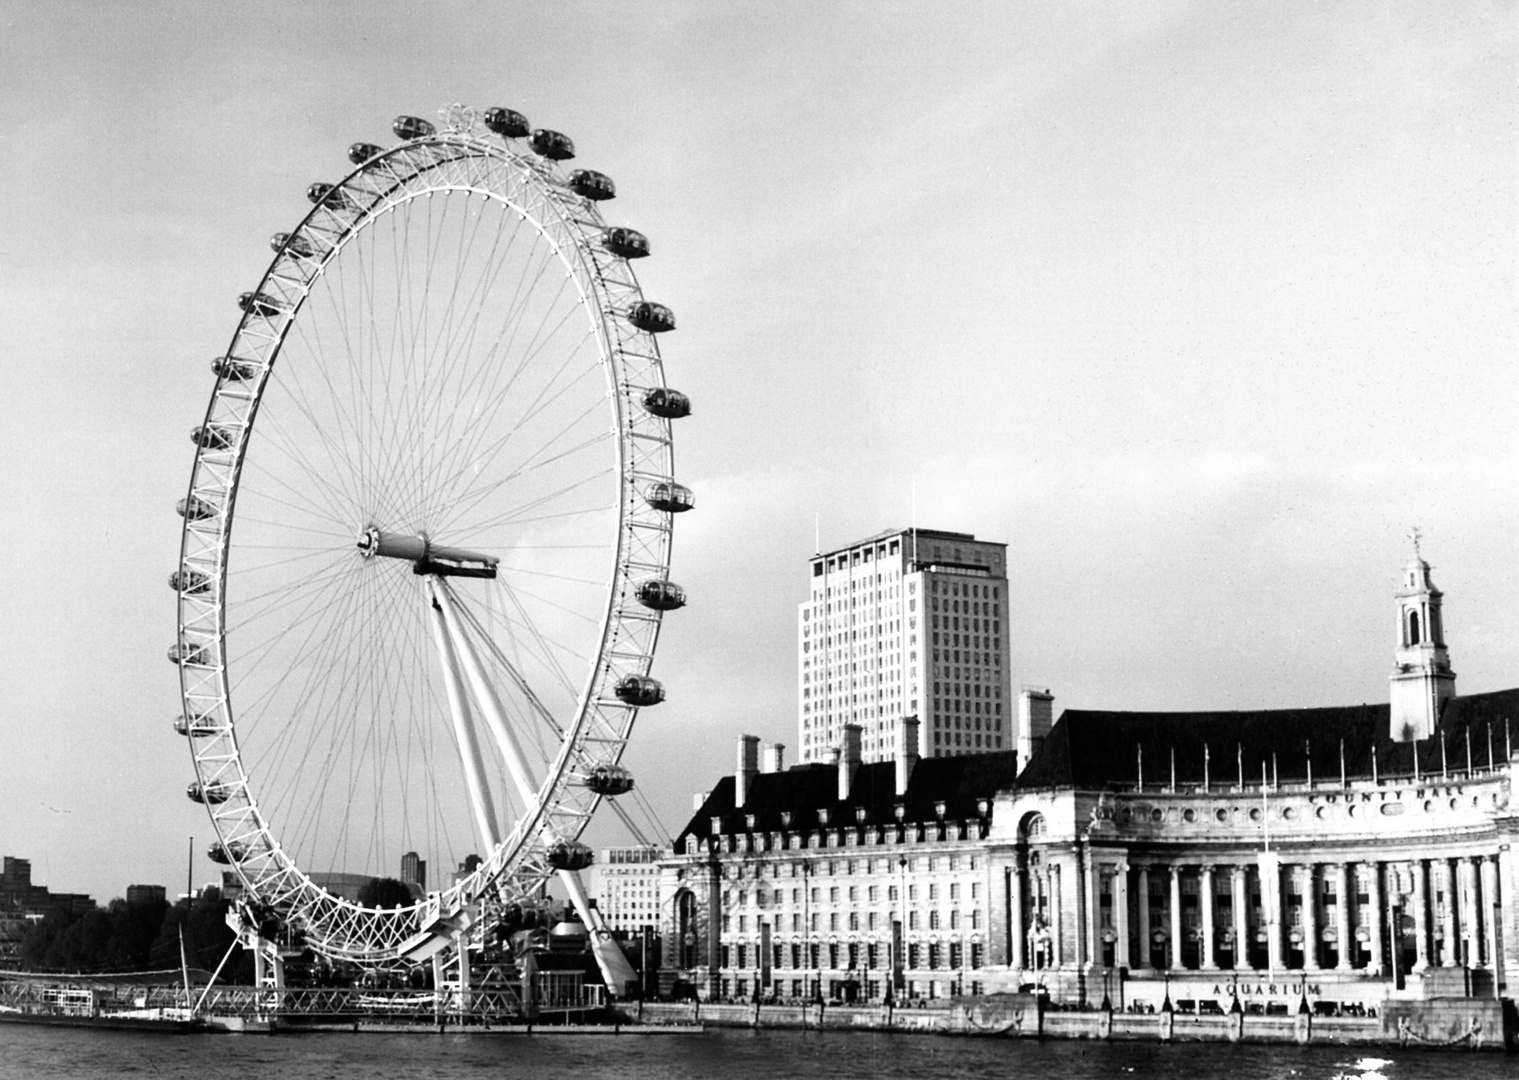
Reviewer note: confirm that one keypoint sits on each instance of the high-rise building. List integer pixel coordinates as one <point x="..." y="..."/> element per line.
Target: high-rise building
<point x="414" y="870"/>
<point x="907" y="624"/>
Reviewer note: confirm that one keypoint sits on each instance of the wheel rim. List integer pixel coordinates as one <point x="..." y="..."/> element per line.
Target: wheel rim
<point x="441" y="350"/>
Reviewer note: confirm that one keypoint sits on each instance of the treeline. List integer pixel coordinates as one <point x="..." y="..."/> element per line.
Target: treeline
<point x="123" y="937"/>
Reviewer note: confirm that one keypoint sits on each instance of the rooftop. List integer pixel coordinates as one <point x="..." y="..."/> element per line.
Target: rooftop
<point x="801" y="791"/>
<point x="1095" y="749"/>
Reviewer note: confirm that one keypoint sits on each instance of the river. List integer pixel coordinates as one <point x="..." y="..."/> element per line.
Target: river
<point x="40" y="1053"/>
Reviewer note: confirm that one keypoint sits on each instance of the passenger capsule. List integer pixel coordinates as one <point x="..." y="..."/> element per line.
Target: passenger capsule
<point x="226" y="854"/>
<point x="212" y="437"/>
<point x="611" y="780"/>
<point x="190" y="654"/>
<point x="194" y="508"/>
<point x="361" y="152"/>
<point x="294" y="243"/>
<point x="669" y="496"/>
<point x="257" y="303"/>
<point x="640" y="690"/>
<point x="570" y="855"/>
<point x="208" y="793"/>
<point x="655" y="318"/>
<point x="595" y="186"/>
<point x="670" y="404"/>
<point x="412" y="127"/>
<point x="235" y="368"/>
<point x="553" y="145"/>
<point x="194" y="727"/>
<point x="626" y="243"/>
<point x="508" y="123"/>
<point x="330" y="196"/>
<point x="660" y="595"/>
<point x="189" y="581"/>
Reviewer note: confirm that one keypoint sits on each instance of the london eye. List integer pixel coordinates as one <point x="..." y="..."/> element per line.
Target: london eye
<point x="426" y="539"/>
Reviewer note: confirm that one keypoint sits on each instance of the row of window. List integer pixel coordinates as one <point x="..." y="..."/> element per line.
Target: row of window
<point x="967" y="740"/>
<point x="799" y="868"/>
<point x="835" y="893"/>
<point x="836" y="956"/>
<point x="856" y="920"/>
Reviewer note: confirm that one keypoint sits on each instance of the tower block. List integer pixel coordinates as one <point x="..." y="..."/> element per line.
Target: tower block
<point x="1422" y="680"/>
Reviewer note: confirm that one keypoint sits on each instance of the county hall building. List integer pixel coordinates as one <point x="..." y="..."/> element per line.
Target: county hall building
<point x="1332" y="856"/>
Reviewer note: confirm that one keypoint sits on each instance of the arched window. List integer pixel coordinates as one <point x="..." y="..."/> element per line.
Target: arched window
<point x="1413" y="627"/>
<point x="1033" y="827"/>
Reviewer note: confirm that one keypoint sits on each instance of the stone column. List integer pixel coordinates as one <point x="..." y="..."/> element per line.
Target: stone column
<point x="1470" y="954"/>
<point x="1421" y="917"/>
<point x="1237" y="891"/>
<point x="1310" y="917"/>
<point x="1490" y="908"/>
<point x="1089" y="947"/>
<point x="1209" y="961"/>
<point x="1505" y="930"/>
<point x="1344" y="932"/>
<point x="1446" y="882"/>
<point x="1176" y="927"/>
<point x="1371" y="919"/>
<point x="1057" y="953"/>
<point x="1142" y="886"/>
<point x="1121" y="915"/>
<point x="1271" y="901"/>
<point x="1017" y="938"/>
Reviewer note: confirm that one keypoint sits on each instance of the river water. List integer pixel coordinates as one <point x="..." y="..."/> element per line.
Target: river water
<point x="39" y="1053"/>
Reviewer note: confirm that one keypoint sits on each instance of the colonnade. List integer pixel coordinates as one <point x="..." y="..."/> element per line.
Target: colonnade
<point x="1291" y="913"/>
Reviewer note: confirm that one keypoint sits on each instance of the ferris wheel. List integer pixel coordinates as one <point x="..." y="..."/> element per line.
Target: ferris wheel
<point x="426" y="539"/>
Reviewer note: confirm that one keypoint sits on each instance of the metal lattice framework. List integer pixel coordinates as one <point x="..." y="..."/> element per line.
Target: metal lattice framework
<point x="434" y="482"/>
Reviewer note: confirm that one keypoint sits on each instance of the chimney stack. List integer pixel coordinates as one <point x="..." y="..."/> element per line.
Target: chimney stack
<point x="849" y="759"/>
<point x="1036" y="709"/>
<point x="907" y="751"/>
<point x="748" y="767"/>
<point x="773" y="758"/>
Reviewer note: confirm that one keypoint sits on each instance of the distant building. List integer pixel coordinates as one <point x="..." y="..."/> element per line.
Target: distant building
<point x="470" y="864"/>
<point x="906" y="623"/>
<point x="146" y="894"/>
<point x="414" y="871"/>
<point x="626" y="885"/>
<point x="17" y="873"/>
<point x="19" y="896"/>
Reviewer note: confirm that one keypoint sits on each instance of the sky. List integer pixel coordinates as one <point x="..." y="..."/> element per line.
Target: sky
<point x="1197" y="307"/>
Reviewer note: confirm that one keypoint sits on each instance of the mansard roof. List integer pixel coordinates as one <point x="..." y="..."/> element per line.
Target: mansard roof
<point x="802" y="791"/>
<point x="1093" y="749"/>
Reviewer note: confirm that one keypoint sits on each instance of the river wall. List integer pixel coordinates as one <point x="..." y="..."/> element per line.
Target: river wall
<point x="1466" y="1023"/>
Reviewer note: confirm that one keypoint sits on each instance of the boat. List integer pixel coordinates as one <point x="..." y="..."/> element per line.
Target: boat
<point x="62" y="1002"/>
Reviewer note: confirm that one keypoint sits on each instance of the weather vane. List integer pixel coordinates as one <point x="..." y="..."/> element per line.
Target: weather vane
<point x="1415" y="535"/>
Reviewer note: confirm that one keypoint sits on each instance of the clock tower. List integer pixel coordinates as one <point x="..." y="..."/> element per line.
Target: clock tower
<point x="1422" y="680"/>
